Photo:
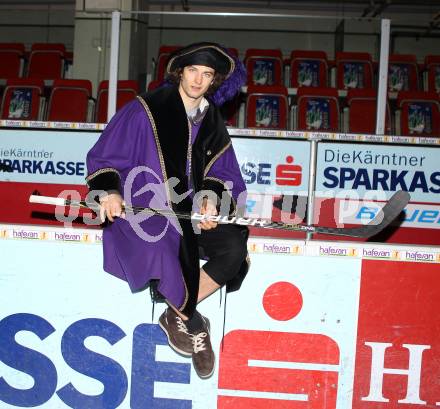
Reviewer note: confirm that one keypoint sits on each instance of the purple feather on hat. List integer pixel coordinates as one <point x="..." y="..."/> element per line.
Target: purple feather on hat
<point x="232" y="85"/>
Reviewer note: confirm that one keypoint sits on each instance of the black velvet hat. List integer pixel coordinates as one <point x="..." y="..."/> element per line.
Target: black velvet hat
<point x="207" y="54"/>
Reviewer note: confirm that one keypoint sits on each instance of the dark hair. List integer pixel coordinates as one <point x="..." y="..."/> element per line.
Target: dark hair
<point x="174" y="78"/>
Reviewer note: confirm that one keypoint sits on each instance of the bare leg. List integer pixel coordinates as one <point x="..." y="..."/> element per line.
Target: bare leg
<point x="192" y="337"/>
<point x="184" y="317"/>
<point x="207" y="286"/>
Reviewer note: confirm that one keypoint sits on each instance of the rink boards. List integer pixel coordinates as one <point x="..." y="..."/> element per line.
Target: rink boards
<point x="318" y="325"/>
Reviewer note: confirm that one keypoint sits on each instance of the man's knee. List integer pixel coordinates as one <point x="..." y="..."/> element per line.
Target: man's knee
<point x="237" y="244"/>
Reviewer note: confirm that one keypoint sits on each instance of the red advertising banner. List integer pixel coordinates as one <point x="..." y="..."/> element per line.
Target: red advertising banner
<point x="398" y="340"/>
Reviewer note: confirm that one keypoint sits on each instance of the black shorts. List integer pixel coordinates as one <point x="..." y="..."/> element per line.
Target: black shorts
<point x="225" y="248"/>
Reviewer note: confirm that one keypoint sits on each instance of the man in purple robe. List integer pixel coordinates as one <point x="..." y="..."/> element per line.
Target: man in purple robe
<point x="169" y="149"/>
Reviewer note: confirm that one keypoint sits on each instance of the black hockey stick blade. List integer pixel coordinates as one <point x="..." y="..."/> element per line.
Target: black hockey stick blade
<point x="393" y="207"/>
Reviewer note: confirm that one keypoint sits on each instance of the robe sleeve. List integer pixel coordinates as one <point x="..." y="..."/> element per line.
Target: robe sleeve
<point x="116" y="150"/>
<point x="224" y="178"/>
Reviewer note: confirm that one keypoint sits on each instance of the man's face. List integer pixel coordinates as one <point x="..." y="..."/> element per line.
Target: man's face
<point x="195" y="80"/>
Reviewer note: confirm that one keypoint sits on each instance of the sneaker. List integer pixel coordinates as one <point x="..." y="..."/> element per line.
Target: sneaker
<point x="203" y="357"/>
<point x="177" y="333"/>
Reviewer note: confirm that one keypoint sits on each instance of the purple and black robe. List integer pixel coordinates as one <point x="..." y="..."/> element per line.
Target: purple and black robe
<point x="149" y="141"/>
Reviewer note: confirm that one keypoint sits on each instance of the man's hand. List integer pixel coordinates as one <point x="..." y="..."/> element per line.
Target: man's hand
<point x="111" y="207"/>
<point x="208" y="208"/>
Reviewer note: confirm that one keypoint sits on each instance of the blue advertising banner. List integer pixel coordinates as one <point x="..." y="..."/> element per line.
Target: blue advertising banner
<point x="273" y="167"/>
<point x="308" y="73"/>
<point x="318" y="114"/>
<point x="54" y="156"/>
<point x="267" y="112"/>
<point x="398" y="77"/>
<point x="20" y="104"/>
<point x="268" y="166"/>
<point x="367" y="168"/>
<point x="353" y="75"/>
<point x="45" y="156"/>
<point x="420" y="118"/>
<point x="264" y="72"/>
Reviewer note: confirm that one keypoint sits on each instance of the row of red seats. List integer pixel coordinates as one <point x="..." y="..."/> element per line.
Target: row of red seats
<point x="264" y="67"/>
<point x="319" y="109"/>
<point x="68" y="100"/>
<point x="312" y="68"/>
<point x="315" y="109"/>
<point x="45" y="60"/>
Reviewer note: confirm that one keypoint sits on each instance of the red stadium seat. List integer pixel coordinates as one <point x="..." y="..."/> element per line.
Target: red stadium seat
<point x="11" y="60"/>
<point x="403" y="73"/>
<point x="354" y="70"/>
<point x="432" y="66"/>
<point x="162" y="60"/>
<point x="230" y="110"/>
<point x="420" y="113"/>
<point x="308" y="69"/>
<point x="264" y="67"/>
<point x="153" y="85"/>
<point x="318" y="109"/>
<point x="127" y="90"/>
<point x="22" y="99"/>
<point x="46" y="61"/>
<point x="69" y="101"/>
<point x="266" y="107"/>
<point x="362" y="105"/>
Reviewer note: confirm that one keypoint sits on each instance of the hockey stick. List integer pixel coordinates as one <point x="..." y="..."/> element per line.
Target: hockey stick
<point x="383" y="218"/>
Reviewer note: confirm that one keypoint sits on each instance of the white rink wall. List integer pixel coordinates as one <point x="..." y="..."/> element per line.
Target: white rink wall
<point x="308" y="329"/>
